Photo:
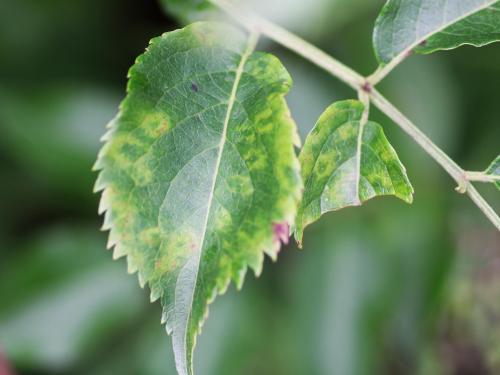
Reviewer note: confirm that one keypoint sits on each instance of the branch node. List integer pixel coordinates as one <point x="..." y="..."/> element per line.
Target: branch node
<point x="463" y="184"/>
<point x="367" y="87"/>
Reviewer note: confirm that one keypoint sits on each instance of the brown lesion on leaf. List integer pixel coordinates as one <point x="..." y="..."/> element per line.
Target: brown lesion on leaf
<point x="155" y="125"/>
<point x="422" y="44"/>
<point x="162" y="128"/>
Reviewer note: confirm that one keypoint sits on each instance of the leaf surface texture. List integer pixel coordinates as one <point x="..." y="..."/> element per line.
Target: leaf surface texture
<point x="425" y="26"/>
<point x="345" y="163"/>
<point x="199" y="173"/>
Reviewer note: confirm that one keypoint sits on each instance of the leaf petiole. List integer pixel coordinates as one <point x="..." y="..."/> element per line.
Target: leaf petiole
<point x="481" y="177"/>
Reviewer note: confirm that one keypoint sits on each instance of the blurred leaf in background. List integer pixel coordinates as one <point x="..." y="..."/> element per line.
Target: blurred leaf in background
<point x="61" y="299"/>
<point x="60" y="154"/>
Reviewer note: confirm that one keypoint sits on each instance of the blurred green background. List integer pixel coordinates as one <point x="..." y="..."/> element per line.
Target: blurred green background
<point x="384" y="289"/>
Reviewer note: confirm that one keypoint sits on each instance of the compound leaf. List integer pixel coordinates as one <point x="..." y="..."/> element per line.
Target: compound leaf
<point x="425" y="26"/>
<point x="494" y="170"/>
<point x="199" y="173"/>
<point x="345" y="163"/>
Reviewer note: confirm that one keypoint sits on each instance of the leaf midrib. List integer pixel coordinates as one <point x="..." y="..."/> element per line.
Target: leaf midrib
<point x="250" y="46"/>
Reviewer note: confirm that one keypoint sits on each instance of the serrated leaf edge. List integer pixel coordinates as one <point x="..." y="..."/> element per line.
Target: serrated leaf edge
<point x="113" y="243"/>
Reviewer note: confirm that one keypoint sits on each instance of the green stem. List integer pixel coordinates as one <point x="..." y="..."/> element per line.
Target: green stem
<point x="359" y="83"/>
<point x="481" y="177"/>
<point x="458" y="174"/>
<point x="483" y="205"/>
<point x="419" y="137"/>
<point x="281" y="36"/>
<point x="384" y="71"/>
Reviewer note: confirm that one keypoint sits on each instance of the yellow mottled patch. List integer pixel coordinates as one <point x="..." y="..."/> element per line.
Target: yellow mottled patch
<point x="155" y="124"/>
<point x="118" y="150"/>
<point x="255" y="161"/>
<point x="141" y="173"/>
<point x="385" y="155"/>
<point x="346" y="132"/>
<point x="324" y="166"/>
<point x="222" y="218"/>
<point x="151" y="236"/>
<point x="124" y="223"/>
<point x="174" y="252"/>
<point x="263" y="116"/>
<point x="241" y="185"/>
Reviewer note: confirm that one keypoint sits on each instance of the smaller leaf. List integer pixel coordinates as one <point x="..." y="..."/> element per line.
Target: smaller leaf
<point x="494" y="170"/>
<point x="345" y="163"/>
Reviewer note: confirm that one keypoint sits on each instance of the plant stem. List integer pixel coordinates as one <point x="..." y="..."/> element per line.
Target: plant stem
<point x="310" y="52"/>
<point x="418" y="136"/>
<point x="481" y="177"/>
<point x="483" y="205"/>
<point x="384" y="71"/>
<point x="458" y="174"/>
<point x="255" y="23"/>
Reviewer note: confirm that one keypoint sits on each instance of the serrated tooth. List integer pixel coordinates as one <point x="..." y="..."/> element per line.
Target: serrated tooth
<point x="257" y="268"/>
<point x="155" y="294"/>
<point x="119" y="251"/>
<point x="104" y="203"/>
<point x="224" y="288"/>
<point x="212" y="296"/>
<point x="241" y="278"/>
<point x="108" y="221"/>
<point x="99" y="163"/>
<point x="131" y="266"/>
<point x="111" y="123"/>
<point x="274" y="251"/>
<point x="100" y="183"/>
<point x="96" y="167"/>
<point x="164" y="319"/>
<point x="142" y="279"/>
<point x="112" y="239"/>
<point x="107" y="136"/>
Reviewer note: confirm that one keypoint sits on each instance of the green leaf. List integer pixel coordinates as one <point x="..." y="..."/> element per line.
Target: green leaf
<point x="199" y="171"/>
<point x="189" y="10"/>
<point x="345" y="163"/>
<point x="494" y="170"/>
<point x="425" y="26"/>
